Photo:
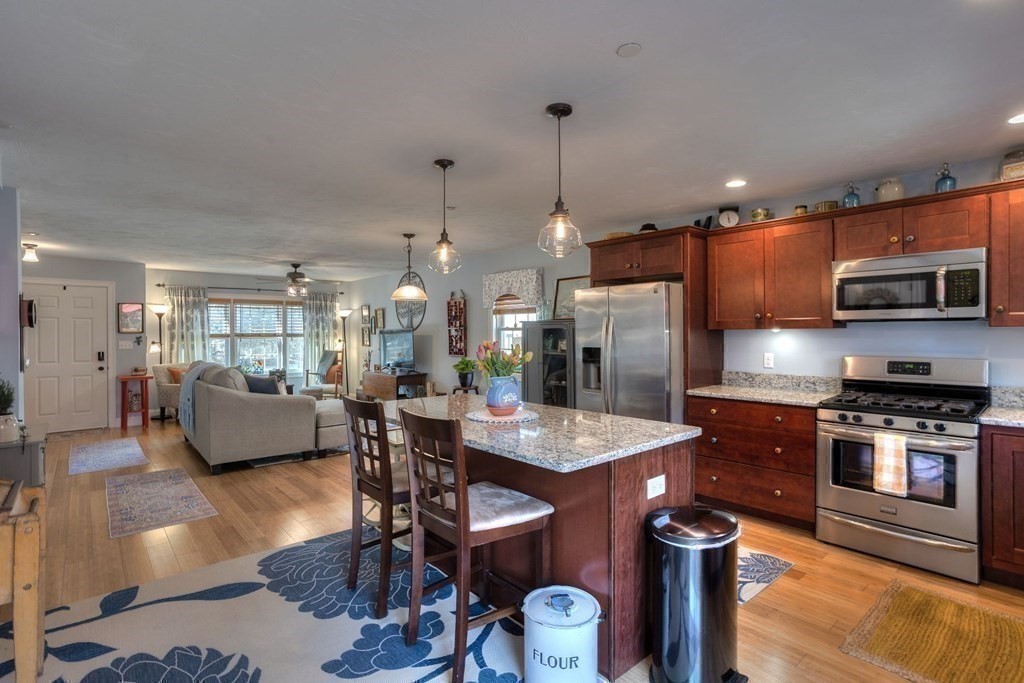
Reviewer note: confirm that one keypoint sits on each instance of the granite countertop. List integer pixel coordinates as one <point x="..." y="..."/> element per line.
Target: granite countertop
<point x="561" y="440"/>
<point x="1003" y="417"/>
<point x="789" y="397"/>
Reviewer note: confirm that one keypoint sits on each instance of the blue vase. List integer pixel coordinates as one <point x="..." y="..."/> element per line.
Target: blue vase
<point x="503" y="395"/>
<point x="851" y="198"/>
<point x="946" y="181"/>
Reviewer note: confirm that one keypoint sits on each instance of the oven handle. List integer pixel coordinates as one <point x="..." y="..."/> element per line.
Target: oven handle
<point x="943" y="545"/>
<point x="940" y="289"/>
<point x="866" y="436"/>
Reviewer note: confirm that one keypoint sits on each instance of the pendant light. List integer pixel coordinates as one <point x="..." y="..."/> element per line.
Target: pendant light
<point x="444" y="259"/>
<point x="559" y="237"/>
<point x="407" y="289"/>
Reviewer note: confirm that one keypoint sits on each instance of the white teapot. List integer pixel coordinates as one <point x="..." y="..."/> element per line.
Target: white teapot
<point x="889" y="189"/>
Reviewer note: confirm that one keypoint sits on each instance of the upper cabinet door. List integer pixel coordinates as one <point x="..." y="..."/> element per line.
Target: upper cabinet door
<point x="1006" y="302"/>
<point x="660" y="256"/>
<point x="798" y="275"/>
<point x="736" y="280"/>
<point x="868" y="235"/>
<point x="941" y="225"/>
<point x="613" y="261"/>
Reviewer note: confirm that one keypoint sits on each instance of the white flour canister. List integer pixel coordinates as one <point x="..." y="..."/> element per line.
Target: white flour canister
<point x="561" y="635"/>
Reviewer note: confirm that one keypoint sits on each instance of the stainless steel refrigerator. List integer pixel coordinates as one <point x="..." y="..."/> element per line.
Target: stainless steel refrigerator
<point x="629" y="350"/>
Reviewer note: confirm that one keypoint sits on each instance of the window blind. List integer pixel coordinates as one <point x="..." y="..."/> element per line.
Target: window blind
<point x="219" y="317"/>
<point x="508" y="304"/>
<point x="294" y="320"/>
<point x="258" y="318"/>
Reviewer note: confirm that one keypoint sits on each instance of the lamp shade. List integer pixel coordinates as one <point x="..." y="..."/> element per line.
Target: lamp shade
<point x="445" y="259"/>
<point x="158" y="309"/>
<point x="559" y="237"/>
<point x="154" y="347"/>
<point x="30" y="253"/>
<point x="345" y="312"/>
<point x="408" y="293"/>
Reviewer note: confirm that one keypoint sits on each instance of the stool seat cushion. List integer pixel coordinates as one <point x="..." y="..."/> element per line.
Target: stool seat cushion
<point x="492" y="507"/>
<point x="330" y="413"/>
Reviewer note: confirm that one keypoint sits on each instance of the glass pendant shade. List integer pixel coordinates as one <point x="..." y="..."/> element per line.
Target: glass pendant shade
<point x="408" y="293"/>
<point x="30" y="254"/>
<point x="297" y="290"/>
<point x="559" y="237"/>
<point x="445" y="259"/>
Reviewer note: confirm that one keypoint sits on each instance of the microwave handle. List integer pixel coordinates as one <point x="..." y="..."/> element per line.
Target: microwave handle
<point x="940" y="289"/>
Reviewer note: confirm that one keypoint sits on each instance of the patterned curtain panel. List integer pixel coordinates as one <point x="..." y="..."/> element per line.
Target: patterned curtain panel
<point x="319" y="320"/>
<point x="527" y="284"/>
<point x="188" y="330"/>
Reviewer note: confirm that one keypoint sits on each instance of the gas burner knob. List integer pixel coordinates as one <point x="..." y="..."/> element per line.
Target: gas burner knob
<point x="888" y="422"/>
<point x="858" y="419"/>
<point x="922" y="425"/>
<point x="940" y="427"/>
<point x="843" y="417"/>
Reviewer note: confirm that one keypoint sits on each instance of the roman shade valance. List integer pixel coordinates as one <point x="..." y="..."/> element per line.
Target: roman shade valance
<point x="527" y="284"/>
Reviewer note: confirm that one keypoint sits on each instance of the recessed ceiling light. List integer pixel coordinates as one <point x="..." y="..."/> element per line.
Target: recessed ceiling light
<point x="1019" y="118"/>
<point x="738" y="182"/>
<point x="32" y="234"/>
<point x="627" y="50"/>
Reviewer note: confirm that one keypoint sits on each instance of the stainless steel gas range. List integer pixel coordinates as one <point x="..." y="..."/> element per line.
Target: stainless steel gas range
<point x="935" y="404"/>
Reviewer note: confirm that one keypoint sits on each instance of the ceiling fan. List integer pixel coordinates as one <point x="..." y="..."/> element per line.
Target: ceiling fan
<point x="295" y="281"/>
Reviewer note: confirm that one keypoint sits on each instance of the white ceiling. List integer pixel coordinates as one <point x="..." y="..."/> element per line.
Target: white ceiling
<point x="239" y="134"/>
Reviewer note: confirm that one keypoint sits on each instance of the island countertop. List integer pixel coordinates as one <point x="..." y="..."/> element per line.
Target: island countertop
<point x="561" y="439"/>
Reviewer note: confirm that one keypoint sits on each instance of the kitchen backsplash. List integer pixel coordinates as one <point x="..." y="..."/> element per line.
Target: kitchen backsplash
<point x="761" y="380"/>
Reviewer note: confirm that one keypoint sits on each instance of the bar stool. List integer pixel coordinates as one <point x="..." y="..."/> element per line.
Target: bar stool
<point x="464" y="516"/>
<point x="374" y="477"/>
<point x="465" y="390"/>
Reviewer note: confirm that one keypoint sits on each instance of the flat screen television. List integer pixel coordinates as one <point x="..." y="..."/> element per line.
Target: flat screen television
<point x="396" y="349"/>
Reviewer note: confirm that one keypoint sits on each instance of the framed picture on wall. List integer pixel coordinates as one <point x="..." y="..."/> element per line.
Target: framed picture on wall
<point x="130" y="319"/>
<point x="366" y="336"/>
<point x="378" y="318"/>
<point x="365" y="310"/>
<point x="565" y="295"/>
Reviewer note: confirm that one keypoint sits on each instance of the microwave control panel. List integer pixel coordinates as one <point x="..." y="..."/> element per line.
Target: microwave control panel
<point x="963" y="288"/>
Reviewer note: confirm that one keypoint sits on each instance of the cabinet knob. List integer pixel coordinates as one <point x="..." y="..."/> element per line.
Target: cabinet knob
<point x="629" y="265"/>
<point x="778" y="493"/>
<point x="714" y="478"/>
<point x="778" y="418"/>
<point x="757" y="316"/>
<point x="894" y="239"/>
<point x="636" y="265"/>
<point x="714" y="439"/>
<point x="768" y="315"/>
<point x="1000" y="309"/>
<point x="910" y="238"/>
<point x="778" y="451"/>
<point x="714" y="411"/>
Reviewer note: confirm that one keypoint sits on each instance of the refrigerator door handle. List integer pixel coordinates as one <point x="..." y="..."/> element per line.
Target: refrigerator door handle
<point x="603" y="366"/>
<point x="610" y="380"/>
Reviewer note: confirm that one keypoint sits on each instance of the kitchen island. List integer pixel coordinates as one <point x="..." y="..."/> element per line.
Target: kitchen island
<point x="593" y="468"/>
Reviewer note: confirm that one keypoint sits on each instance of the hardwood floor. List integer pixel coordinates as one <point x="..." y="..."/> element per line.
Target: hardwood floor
<point x="790" y="632"/>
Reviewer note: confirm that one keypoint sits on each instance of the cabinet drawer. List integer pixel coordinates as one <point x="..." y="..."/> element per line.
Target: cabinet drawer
<point x="751" y="414"/>
<point x="781" y="493"/>
<point x="773" y="448"/>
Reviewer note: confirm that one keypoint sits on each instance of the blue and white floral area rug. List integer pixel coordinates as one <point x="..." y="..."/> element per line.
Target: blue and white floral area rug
<point x="284" y="615"/>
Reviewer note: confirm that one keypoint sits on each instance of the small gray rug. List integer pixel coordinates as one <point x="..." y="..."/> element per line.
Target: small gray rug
<point x="106" y="455"/>
<point x="152" y="500"/>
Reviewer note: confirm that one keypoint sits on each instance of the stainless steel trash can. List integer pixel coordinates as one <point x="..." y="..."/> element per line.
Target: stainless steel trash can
<point x="693" y="600"/>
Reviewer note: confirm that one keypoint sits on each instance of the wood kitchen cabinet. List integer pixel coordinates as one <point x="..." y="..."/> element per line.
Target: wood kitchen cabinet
<point x="933" y="225"/>
<point x="775" y="278"/>
<point x="1006" y="262"/>
<point x="757" y="458"/>
<point x="641" y="257"/>
<point x="1002" y="504"/>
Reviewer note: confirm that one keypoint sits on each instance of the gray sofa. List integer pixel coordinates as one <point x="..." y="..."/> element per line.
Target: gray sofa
<point x="234" y="424"/>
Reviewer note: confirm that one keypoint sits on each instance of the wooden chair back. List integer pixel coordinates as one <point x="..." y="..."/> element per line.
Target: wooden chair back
<point x="368" y="447"/>
<point x="433" y="446"/>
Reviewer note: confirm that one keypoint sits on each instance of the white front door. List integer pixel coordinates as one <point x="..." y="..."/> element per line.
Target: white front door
<point x="65" y="381"/>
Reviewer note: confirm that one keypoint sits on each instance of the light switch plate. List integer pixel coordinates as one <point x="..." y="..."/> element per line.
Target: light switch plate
<point x="124" y="344"/>
<point x="769" y="360"/>
<point x="656" y="486"/>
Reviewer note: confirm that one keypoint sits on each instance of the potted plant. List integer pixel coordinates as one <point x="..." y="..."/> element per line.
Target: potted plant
<point x="499" y="367"/>
<point x="465" y="368"/>
<point x="8" y="422"/>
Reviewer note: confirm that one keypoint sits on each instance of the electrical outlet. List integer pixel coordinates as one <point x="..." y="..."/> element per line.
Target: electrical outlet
<point x="655" y="486"/>
<point x="769" y="360"/>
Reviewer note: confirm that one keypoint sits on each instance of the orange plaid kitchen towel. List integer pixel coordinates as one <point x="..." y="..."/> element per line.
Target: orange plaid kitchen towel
<point x="890" y="475"/>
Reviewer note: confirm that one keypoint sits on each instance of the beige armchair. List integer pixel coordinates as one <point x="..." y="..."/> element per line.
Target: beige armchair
<point x="167" y="392"/>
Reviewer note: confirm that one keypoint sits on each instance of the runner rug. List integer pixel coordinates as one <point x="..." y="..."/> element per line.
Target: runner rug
<point x="151" y="500"/>
<point x="106" y="455"/>
<point x="283" y="615"/>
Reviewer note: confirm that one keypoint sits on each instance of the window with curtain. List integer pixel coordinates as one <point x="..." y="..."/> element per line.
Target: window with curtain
<point x="509" y="313"/>
<point x="258" y="336"/>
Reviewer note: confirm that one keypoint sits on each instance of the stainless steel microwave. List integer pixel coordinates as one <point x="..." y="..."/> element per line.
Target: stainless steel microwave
<point x="939" y="285"/>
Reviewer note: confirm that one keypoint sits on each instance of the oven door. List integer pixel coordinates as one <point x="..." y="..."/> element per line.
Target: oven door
<point x="942" y="496"/>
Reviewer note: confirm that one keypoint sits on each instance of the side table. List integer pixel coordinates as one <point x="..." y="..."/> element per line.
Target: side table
<point x="143" y="381"/>
<point x="465" y="390"/>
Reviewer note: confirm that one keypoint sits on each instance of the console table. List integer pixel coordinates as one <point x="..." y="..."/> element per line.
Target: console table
<point x="385" y="386"/>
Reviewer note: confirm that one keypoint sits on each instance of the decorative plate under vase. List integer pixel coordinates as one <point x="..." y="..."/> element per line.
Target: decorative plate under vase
<point x="503" y="395"/>
<point x="516" y="416"/>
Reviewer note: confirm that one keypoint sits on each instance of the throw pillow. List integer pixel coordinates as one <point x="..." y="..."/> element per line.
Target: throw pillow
<point x="176" y="374"/>
<point x="262" y="385"/>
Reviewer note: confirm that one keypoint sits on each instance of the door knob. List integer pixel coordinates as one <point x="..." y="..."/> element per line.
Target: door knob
<point x="101" y="368"/>
<point x="894" y="239"/>
<point x="910" y="238"/>
<point x="778" y="493"/>
<point x="778" y="451"/>
<point x="1000" y="309"/>
<point x="714" y="478"/>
